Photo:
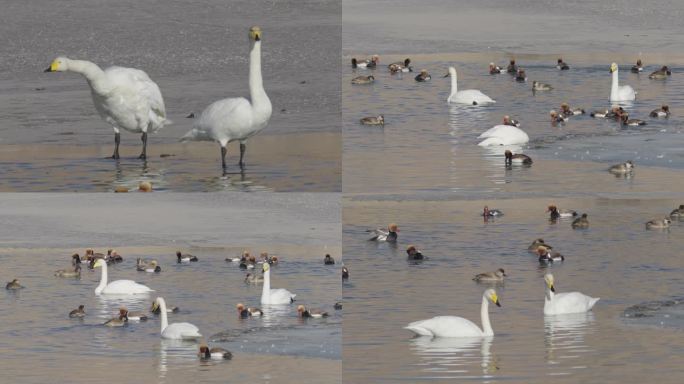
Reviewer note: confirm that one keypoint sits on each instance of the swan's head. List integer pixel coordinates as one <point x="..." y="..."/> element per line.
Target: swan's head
<point x="452" y="72"/>
<point x="60" y="64"/>
<point x="99" y="263"/>
<point x="548" y="278"/>
<point x="492" y="296"/>
<point x="155" y="306"/>
<point x="613" y="68"/>
<point x="393" y="227"/>
<point x="265" y="267"/>
<point x="255" y="34"/>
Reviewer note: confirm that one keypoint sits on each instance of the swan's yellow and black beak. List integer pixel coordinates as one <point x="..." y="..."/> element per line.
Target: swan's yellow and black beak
<point x="613" y="68"/>
<point x="495" y="299"/>
<point x="551" y="287"/>
<point x="255" y="33"/>
<point x="53" y="67"/>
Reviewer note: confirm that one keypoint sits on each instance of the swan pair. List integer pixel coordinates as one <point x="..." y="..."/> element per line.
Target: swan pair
<point x="454" y="326"/>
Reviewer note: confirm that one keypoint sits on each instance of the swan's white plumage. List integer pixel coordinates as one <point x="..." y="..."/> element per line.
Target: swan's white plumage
<point x="274" y="296"/>
<point x="469" y="96"/>
<point x="503" y="135"/>
<point x="565" y="303"/>
<point x="618" y="92"/>
<point x="176" y="331"/>
<point x="118" y="287"/>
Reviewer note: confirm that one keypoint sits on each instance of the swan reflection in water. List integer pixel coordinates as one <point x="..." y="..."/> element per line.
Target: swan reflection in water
<point x="451" y="357"/>
<point x="565" y="335"/>
<point x="132" y="174"/>
<point x="176" y="353"/>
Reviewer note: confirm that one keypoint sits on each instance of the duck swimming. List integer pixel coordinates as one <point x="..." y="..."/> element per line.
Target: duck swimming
<point x="156" y="309"/>
<point x="538" y="243"/>
<point x="562" y="66"/>
<point x="636" y="68"/>
<point x="345" y="273"/>
<point x="537" y="86"/>
<point x="251" y="278"/>
<point x="400" y="66"/>
<point x="119" y="321"/>
<point x="13" y="285"/>
<point x="365" y="64"/>
<point x="631" y="122"/>
<point x="78" y="312"/>
<point x="185" y="258"/>
<point x="76" y="272"/>
<point x="581" y="222"/>
<point x="359" y="80"/>
<point x="663" y="111"/>
<point x="660" y="74"/>
<point x="314" y="313"/>
<point x="382" y="235"/>
<point x="560" y="213"/>
<point x="150" y="266"/>
<point x="486" y="212"/>
<point x="245" y="312"/>
<point x="621" y="169"/>
<point x="215" y="353"/>
<point x="520" y="76"/>
<point x="497" y="275"/>
<point x="413" y="253"/>
<point x="517" y="158"/>
<point x="678" y="213"/>
<point x="512" y="122"/>
<point x="548" y="257"/>
<point x="373" y="120"/>
<point x="494" y="69"/>
<point x="423" y="76"/>
<point x="328" y="260"/>
<point x="557" y="118"/>
<point x="512" y="68"/>
<point x="658" y="223"/>
<point x="566" y="111"/>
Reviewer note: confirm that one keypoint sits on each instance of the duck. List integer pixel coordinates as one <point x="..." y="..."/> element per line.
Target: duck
<point x="113" y="256"/>
<point x="373" y="120"/>
<point x="537" y="86"/>
<point x="517" y="158"/>
<point x="345" y="273"/>
<point x="469" y="96"/>
<point x="557" y="118"/>
<point x="274" y="296"/>
<point x="601" y="114"/>
<point x="494" y="69"/>
<point x="328" y="260"/>
<point x="497" y="275"/>
<point x="423" y="76"/>
<point x="562" y="66"/>
<point x="678" y="213"/>
<point x="638" y="67"/>
<point x="14" y="285"/>
<point x="565" y="303"/>
<point x="400" y="66"/>
<point x="623" y="168"/>
<point x="75" y="260"/>
<point x="581" y="222"/>
<point x="520" y="76"/>
<point x="248" y="263"/>
<point x="413" y="253"/>
<point x="512" y="67"/>
<point x="118" y="287"/>
<point x="156" y="309"/>
<point x="503" y="135"/>
<point x="237" y="118"/>
<point x="78" y="312"/>
<point x="663" y="111"/>
<point x="538" y="243"/>
<point x="251" y="278"/>
<point x="149" y="266"/>
<point x="631" y="122"/>
<point x="512" y="122"/>
<point x="185" y="258"/>
<point x="76" y="272"/>
<point x="367" y="63"/>
<point x="617" y="92"/>
<point x="338" y="306"/>
<point x="567" y="111"/>
<point x="454" y="326"/>
<point x="245" y="312"/>
<point x="658" y="223"/>
<point x="303" y="311"/>
<point x="486" y="212"/>
<point x="119" y="321"/>
<point x="126" y="98"/>
<point x="548" y="257"/>
<point x="660" y="74"/>
<point x="360" y="80"/>
<point x="560" y="213"/>
<point x="215" y="353"/>
<point x="136" y="316"/>
<point x="175" y="331"/>
<point x="382" y="235"/>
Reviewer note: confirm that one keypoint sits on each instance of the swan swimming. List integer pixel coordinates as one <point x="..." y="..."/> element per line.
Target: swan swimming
<point x="237" y="118"/>
<point x="454" y="326"/>
<point x="176" y="331"/>
<point x="125" y="98"/>
<point x="617" y="92"/>
<point x="469" y="96"/>
<point x="503" y="135"/>
<point x="118" y="287"/>
<point x="274" y="296"/>
<point x="564" y="303"/>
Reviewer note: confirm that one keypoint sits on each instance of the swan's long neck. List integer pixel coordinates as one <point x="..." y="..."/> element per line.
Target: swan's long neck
<point x="266" y="291"/>
<point x="484" y="314"/>
<point x="614" y="88"/>
<point x="164" y="316"/>
<point x="260" y="100"/>
<point x="94" y="74"/>
<point x="454" y="85"/>
<point x="103" y="279"/>
<point x="549" y="294"/>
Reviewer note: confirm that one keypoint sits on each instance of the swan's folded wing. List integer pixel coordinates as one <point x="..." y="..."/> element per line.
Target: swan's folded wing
<point x="571" y="302"/>
<point x="446" y="326"/>
<point x="144" y="92"/>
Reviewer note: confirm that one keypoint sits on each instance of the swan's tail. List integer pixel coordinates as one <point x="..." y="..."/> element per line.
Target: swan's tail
<point x="196" y="135"/>
<point x="420" y="331"/>
<point x="490" y="141"/>
<point x="192" y="336"/>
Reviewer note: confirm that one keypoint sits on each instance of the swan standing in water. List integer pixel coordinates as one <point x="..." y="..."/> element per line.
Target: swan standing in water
<point x="503" y="135"/>
<point x="118" y="287"/>
<point x="454" y="326"/>
<point x="274" y="296"/>
<point x="237" y="118"/>
<point x="125" y="98"/>
<point x="469" y="96"/>
<point x="176" y="331"/>
<point x="563" y="303"/>
<point x="617" y="92"/>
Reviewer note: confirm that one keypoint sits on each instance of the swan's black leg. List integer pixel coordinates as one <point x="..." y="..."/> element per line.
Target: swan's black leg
<point x="223" y="157"/>
<point x="143" y="155"/>
<point x="117" y="140"/>
<point x="243" y="148"/>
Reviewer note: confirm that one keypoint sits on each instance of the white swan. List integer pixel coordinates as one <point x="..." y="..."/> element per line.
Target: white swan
<point x="617" y="92"/>
<point x="274" y="296"/>
<point x="503" y="135"/>
<point x="118" y="287"/>
<point x="176" y="331"/>
<point x="469" y="96"/>
<point x="454" y="326"/>
<point x="124" y="97"/>
<point x="237" y="118"/>
<point x="563" y="303"/>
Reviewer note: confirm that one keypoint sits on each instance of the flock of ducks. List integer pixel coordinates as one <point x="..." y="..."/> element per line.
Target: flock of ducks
<point x="126" y="98"/>
<point x="509" y="132"/>
<point x="181" y="330"/>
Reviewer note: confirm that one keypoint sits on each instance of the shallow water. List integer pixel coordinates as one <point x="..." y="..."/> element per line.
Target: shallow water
<point x="41" y="343"/>
<point x="616" y="259"/>
<point x="197" y="54"/>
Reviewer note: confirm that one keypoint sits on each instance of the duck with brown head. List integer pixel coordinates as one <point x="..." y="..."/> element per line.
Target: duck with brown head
<point x="382" y="235"/>
<point x="215" y="353"/>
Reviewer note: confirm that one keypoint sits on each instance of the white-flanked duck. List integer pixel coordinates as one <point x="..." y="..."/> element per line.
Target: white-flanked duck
<point x="494" y="69"/>
<point x="185" y="258"/>
<point x="507" y="120"/>
<point x="423" y="76"/>
<point x="373" y="120"/>
<point x="623" y="168"/>
<point x="149" y="266"/>
<point x="548" y="257"/>
<point x="663" y="111"/>
<point x="360" y="80"/>
<point x="497" y="275"/>
<point x="245" y="312"/>
<point x="400" y="66"/>
<point x="78" y="312"/>
<point x="517" y="158"/>
<point x="365" y="64"/>
<point x="678" y="213"/>
<point x="564" y="303"/>
<point x="315" y="313"/>
<point x="469" y="96"/>
<point x="561" y="65"/>
<point x="567" y="111"/>
<point x="631" y="122"/>
<point x="512" y="68"/>
<point x="581" y="222"/>
<point x="537" y="86"/>
<point x="638" y="67"/>
<point x="560" y="213"/>
<point x="486" y="212"/>
<point x="215" y="353"/>
<point x="382" y="235"/>
<point x="413" y="253"/>
<point x="618" y="92"/>
<point x="658" y="223"/>
<point x="520" y="75"/>
<point x="660" y="74"/>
